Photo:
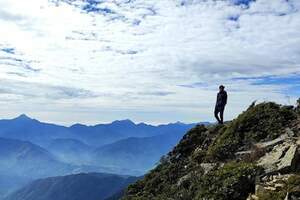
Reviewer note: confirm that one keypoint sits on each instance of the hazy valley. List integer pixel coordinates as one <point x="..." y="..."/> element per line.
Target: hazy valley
<point x="30" y="149"/>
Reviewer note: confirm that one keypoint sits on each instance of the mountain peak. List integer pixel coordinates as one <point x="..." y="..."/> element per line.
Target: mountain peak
<point x="23" y="117"/>
<point x="123" y="122"/>
<point x="78" y="125"/>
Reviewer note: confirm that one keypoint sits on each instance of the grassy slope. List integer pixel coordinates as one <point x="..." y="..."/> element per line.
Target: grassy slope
<point x="180" y="174"/>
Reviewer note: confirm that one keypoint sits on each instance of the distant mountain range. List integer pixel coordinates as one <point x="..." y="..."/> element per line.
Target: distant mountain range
<point x="115" y="145"/>
<point x="28" y="129"/>
<point x="22" y="162"/>
<point x="30" y="149"/>
<point x="90" y="186"/>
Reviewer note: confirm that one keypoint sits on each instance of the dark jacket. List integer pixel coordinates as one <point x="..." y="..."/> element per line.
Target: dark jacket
<point x="221" y="99"/>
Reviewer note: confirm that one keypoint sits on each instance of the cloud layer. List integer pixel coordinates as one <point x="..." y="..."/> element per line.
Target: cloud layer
<point x="154" y="61"/>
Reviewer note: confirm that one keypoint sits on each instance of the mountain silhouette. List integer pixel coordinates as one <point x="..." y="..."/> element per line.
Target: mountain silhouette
<point x="70" y="150"/>
<point x="137" y="153"/>
<point x="22" y="161"/>
<point x="91" y="186"/>
<point x="31" y="149"/>
<point x="28" y="129"/>
<point x="21" y="157"/>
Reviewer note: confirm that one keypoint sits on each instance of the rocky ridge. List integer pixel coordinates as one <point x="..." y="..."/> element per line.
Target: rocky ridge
<point x="256" y="157"/>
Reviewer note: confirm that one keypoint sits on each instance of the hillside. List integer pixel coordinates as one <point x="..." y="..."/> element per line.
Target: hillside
<point x="9" y="184"/>
<point x="255" y="156"/>
<point x="137" y="153"/>
<point x="26" y="159"/>
<point x="91" y="186"/>
<point x="21" y="162"/>
<point x="70" y="150"/>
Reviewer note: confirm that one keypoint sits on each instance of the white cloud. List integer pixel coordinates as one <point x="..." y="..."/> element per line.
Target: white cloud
<point x="138" y="53"/>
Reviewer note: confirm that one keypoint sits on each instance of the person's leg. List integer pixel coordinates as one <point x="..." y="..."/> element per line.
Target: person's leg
<point x="222" y="115"/>
<point x="216" y="115"/>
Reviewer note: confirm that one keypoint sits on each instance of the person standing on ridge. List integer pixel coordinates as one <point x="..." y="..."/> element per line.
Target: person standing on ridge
<point x="220" y="104"/>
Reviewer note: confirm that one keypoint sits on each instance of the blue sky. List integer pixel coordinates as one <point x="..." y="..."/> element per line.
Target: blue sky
<point x="91" y="61"/>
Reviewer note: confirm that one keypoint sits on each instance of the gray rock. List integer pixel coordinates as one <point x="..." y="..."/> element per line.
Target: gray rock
<point x="183" y="179"/>
<point x="259" y="189"/>
<point x="289" y="132"/>
<point x="282" y="158"/>
<point x="207" y="167"/>
<point x="286" y="197"/>
<point x="274" y="142"/>
<point x="289" y="159"/>
<point x="276" y="183"/>
<point x="242" y="155"/>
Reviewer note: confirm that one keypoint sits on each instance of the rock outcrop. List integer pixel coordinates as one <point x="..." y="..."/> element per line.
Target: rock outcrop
<point x="276" y="187"/>
<point x="282" y="158"/>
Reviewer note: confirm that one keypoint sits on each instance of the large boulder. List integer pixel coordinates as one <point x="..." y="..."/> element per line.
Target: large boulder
<point x="282" y="158"/>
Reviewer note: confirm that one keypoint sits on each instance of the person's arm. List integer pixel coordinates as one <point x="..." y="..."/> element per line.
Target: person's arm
<point x="225" y="98"/>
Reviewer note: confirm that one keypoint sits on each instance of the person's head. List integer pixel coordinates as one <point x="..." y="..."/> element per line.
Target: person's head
<point x="221" y="88"/>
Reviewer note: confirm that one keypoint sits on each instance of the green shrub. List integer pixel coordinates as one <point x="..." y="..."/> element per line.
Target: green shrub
<point x="293" y="184"/>
<point x="195" y="137"/>
<point x="160" y="183"/>
<point x="234" y="181"/>
<point x="264" y="121"/>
